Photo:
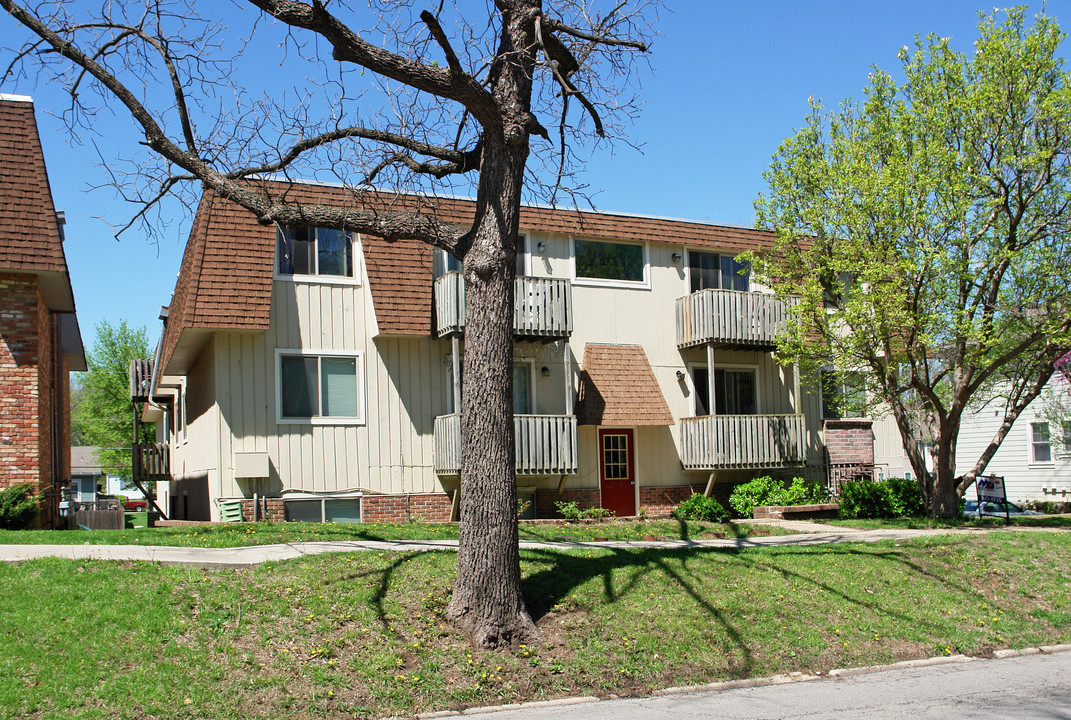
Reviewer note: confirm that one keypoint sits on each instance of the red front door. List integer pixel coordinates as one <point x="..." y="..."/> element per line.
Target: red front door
<point x="617" y="471"/>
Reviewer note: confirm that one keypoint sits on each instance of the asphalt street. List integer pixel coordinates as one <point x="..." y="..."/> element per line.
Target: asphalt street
<point x="1030" y="687"/>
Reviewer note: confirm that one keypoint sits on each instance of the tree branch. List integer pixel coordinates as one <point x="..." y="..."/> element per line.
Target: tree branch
<point x="350" y="47"/>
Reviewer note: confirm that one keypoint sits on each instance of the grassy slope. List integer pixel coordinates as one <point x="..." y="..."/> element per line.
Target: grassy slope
<point x="361" y="635"/>
<point x="241" y="534"/>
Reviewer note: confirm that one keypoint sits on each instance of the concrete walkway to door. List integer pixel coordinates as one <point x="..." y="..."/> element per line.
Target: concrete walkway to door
<point x="808" y="534"/>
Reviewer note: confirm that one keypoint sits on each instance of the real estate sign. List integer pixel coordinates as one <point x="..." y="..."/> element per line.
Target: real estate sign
<point x="990" y="489"/>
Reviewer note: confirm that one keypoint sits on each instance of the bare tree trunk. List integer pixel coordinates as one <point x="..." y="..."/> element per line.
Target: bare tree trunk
<point x="487" y="602"/>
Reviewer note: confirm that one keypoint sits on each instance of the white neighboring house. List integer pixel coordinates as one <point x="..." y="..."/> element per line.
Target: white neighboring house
<point x="1035" y="457"/>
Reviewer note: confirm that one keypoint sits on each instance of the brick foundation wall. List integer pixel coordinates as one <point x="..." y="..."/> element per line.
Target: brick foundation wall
<point x="583" y="497"/>
<point x="425" y="507"/>
<point x="659" y="502"/>
<point x="21" y="454"/>
<point x="270" y="510"/>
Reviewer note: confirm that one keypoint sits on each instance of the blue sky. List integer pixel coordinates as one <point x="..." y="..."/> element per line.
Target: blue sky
<point x="729" y="81"/>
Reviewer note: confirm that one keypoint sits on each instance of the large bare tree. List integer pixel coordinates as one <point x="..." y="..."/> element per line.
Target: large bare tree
<point x="461" y="93"/>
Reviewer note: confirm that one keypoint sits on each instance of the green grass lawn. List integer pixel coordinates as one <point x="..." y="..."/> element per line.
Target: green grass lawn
<point x="362" y="635"/>
<point x="265" y="533"/>
<point x="1050" y="521"/>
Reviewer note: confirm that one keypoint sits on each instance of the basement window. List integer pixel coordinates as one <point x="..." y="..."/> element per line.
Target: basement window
<point x="323" y="509"/>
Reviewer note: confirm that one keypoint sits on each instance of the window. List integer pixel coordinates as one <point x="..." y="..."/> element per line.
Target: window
<point x="522" y="388"/>
<point x="323" y="509"/>
<point x="734" y="392"/>
<point x="1040" y="442"/>
<point x="615" y="456"/>
<point x="843" y="395"/>
<point x="610" y="262"/>
<point x="1066" y="425"/>
<point x="711" y="270"/>
<point x="446" y="262"/>
<point x="315" y="251"/>
<point x="701" y="385"/>
<point x="320" y="388"/>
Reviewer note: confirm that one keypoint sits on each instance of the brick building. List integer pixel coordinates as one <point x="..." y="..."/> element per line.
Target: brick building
<point x="40" y="343"/>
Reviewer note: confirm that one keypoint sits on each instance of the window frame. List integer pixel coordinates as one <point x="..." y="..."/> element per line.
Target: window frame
<point x="737" y="367"/>
<point x="182" y="419"/>
<point x="359" y="379"/>
<point x="644" y="284"/>
<point x="1033" y="443"/>
<point x="688" y="252"/>
<point x="529" y="366"/>
<point x="838" y="376"/>
<point x="355" y="255"/>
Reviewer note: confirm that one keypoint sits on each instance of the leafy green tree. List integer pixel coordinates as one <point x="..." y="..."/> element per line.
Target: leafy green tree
<point x="103" y="415"/>
<point x="926" y="231"/>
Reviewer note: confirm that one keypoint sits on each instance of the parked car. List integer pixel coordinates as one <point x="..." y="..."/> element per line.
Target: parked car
<point x="135" y="505"/>
<point x="995" y="509"/>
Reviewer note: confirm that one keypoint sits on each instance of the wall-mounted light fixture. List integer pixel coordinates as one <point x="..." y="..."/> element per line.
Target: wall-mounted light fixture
<point x="545" y="371"/>
<point x="541" y="247"/>
<point x="680" y="375"/>
<point x="676" y="258"/>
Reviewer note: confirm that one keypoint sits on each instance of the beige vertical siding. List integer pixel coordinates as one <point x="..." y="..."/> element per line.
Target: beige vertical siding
<point x="403" y="391"/>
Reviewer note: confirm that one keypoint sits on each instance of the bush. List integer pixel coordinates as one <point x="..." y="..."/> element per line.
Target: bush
<point x="18" y="507"/>
<point x="767" y="491"/>
<point x="864" y="499"/>
<point x="572" y="512"/>
<point x="905" y="496"/>
<point x="891" y="498"/>
<point x="701" y="507"/>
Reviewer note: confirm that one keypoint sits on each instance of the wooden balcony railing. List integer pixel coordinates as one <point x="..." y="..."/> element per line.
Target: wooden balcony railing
<point x="716" y="442"/>
<point x="152" y="461"/>
<point x="730" y="317"/>
<point x="140" y="378"/>
<point x="544" y="444"/>
<point x="542" y="307"/>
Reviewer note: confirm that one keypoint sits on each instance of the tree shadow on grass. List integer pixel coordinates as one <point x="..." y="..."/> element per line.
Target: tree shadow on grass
<point x="624" y="571"/>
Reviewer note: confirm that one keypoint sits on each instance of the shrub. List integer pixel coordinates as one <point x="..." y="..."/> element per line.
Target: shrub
<point x="701" y="507"/>
<point x="572" y="512"/>
<point x="767" y="491"/>
<point x="569" y="510"/>
<point x="905" y="496"/>
<point x="890" y="498"/>
<point x="745" y="498"/>
<point x="18" y="507"/>
<point x="865" y="499"/>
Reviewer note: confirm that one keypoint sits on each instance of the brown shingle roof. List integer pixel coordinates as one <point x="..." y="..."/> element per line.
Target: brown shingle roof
<point x="226" y="276"/>
<point x="617" y="387"/>
<point x="29" y="230"/>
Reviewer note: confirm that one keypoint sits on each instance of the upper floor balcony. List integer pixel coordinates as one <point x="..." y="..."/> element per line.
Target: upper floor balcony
<point x="730" y="318"/>
<point x="717" y="442"/>
<point x="542" y="307"/>
<point x="544" y="444"/>
<point x="152" y="462"/>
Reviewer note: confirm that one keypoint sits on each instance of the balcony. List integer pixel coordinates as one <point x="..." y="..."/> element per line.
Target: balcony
<point x="545" y="444"/>
<point x="716" y="442"/>
<point x="542" y="307"/>
<point x="730" y="318"/>
<point x="152" y="462"/>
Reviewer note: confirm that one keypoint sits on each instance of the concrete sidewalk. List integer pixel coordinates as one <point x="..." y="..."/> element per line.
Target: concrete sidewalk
<point x="809" y="534"/>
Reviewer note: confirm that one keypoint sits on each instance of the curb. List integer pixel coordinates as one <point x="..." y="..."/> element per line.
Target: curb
<point x="781" y="679"/>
